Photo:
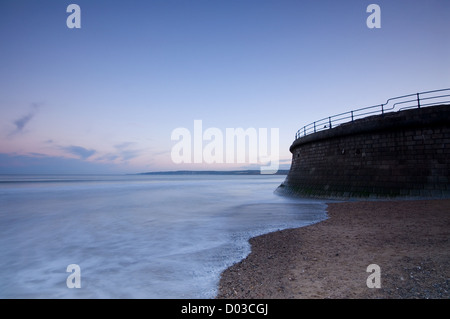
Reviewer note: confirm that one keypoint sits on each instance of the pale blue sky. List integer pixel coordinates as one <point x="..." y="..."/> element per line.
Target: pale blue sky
<point x="105" y="98"/>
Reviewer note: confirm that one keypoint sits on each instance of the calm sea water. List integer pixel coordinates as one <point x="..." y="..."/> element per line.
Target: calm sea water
<point x="135" y="236"/>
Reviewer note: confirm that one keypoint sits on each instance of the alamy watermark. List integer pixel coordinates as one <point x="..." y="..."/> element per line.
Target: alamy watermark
<point x="74" y="279"/>
<point x="373" y="21"/>
<point x="234" y="146"/>
<point x="74" y="19"/>
<point x="374" y="279"/>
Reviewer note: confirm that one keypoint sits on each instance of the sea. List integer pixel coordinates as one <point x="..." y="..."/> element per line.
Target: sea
<point x="135" y="236"/>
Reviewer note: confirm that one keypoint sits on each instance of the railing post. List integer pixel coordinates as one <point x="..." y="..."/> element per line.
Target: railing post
<point x="352" y="115"/>
<point x="314" y="127"/>
<point x="418" y="101"/>
<point x="329" y="121"/>
<point x="304" y="130"/>
<point x="382" y="108"/>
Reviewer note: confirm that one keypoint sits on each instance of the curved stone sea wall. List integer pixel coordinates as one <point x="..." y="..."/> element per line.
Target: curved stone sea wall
<point x="398" y="154"/>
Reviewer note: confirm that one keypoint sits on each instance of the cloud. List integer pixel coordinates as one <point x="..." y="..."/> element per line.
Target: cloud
<point x="41" y="164"/>
<point x="129" y="154"/>
<point x="125" y="153"/>
<point x="22" y="121"/>
<point x="108" y="157"/>
<point x="123" y="145"/>
<point x="82" y="152"/>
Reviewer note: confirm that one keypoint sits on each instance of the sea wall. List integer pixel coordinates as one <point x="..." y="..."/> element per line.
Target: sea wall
<point x="398" y="154"/>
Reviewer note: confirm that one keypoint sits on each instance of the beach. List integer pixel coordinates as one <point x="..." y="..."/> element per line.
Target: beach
<point x="407" y="239"/>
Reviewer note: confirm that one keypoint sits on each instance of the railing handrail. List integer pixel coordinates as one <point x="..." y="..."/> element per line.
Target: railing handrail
<point x="389" y="106"/>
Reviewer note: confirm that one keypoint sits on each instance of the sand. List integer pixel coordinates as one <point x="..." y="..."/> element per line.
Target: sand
<point x="408" y="240"/>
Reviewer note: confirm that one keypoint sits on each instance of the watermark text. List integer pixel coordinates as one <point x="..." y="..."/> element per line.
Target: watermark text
<point x="234" y="146"/>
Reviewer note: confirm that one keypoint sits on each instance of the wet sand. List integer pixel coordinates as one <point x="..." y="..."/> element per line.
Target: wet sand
<point x="408" y="240"/>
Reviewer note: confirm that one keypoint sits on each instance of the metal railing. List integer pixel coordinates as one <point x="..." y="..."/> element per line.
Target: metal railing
<point x="416" y="100"/>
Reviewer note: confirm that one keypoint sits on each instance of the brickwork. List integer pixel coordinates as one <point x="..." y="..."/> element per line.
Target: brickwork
<point x="401" y="154"/>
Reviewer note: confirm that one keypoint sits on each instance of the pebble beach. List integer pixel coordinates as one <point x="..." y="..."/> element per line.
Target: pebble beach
<point x="407" y="239"/>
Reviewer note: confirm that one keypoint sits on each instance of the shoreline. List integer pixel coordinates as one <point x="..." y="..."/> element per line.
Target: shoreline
<point x="408" y="239"/>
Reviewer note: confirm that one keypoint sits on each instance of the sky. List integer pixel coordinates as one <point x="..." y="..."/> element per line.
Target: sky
<point x="106" y="97"/>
